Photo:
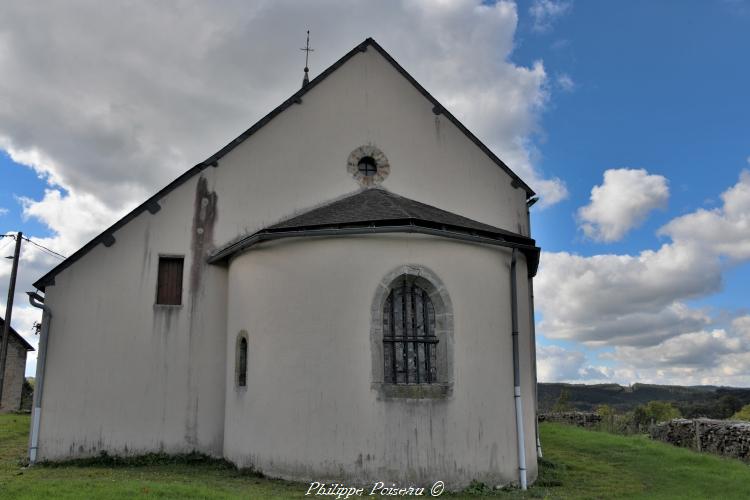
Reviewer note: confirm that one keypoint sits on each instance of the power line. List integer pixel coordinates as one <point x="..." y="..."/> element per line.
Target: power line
<point x="5" y="246"/>
<point x="45" y="248"/>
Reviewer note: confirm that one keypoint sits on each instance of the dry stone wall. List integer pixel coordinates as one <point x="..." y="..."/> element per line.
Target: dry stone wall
<point x="722" y="437"/>
<point x="577" y="418"/>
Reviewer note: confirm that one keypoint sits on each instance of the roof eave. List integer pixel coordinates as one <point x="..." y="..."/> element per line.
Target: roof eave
<point x="526" y="245"/>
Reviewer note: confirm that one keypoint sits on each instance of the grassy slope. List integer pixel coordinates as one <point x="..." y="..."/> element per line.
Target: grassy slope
<point x="601" y="465"/>
<point x="587" y="464"/>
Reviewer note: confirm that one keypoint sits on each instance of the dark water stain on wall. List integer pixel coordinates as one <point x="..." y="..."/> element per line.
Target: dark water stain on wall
<point x="146" y="258"/>
<point x="201" y="242"/>
<point x="204" y="217"/>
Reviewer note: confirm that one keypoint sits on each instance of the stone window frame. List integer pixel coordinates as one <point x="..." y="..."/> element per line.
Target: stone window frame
<point x="241" y="335"/>
<point x="428" y="281"/>
<point x="381" y="164"/>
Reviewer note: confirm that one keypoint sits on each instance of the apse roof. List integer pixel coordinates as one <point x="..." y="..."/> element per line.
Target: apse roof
<point x="380" y="205"/>
<point x="376" y="210"/>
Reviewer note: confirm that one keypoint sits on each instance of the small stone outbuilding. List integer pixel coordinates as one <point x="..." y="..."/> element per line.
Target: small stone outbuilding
<point x="15" y="370"/>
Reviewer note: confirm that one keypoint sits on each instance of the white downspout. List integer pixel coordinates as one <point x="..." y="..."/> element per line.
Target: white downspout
<point x="532" y="325"/>
<point x="517" y="373"/>
<point x="36" y="412"/>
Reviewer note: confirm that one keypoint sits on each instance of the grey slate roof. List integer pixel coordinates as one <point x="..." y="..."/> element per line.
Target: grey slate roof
<point x="376" y="210"/>
<point x="379" y="205"/>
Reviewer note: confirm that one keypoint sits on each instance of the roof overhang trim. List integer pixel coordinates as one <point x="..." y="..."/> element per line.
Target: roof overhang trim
<point x="526" y="246"/>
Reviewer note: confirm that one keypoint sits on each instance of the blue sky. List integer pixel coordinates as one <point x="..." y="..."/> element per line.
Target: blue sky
<point x="660" y="86"/>
<point x="653" y="94"/>
<point x="19" y="180"/>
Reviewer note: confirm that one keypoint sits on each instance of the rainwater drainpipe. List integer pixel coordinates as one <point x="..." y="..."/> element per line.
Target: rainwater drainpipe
<point x="37" y="301"/>
<point x="517" y="373"/>
<point x="532" y="324"/>
<point x="533" y="368"/>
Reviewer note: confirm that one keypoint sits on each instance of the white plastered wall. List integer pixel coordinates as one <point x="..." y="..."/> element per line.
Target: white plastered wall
<point x="128" y="377"/>
<point x="298" y="160"/>
<point x="309" y="412"/>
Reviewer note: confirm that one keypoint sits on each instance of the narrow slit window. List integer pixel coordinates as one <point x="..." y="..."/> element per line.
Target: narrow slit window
<point x="169" y="281"/>
<point x="242" y="363"/>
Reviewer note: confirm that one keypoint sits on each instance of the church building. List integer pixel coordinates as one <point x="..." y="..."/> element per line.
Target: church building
<point x="343" y="293"/>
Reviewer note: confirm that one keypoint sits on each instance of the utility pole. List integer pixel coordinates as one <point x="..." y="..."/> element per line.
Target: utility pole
<point x="9" y="312"/>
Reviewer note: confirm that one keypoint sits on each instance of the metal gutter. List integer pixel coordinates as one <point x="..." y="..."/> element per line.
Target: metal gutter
<point x="411" y="227"/>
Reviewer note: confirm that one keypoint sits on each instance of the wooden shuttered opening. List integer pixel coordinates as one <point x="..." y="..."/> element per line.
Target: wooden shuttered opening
<point x="169" y="283"/>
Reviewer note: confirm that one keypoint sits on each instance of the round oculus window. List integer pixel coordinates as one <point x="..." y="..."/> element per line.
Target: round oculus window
<point x="368" y="165"/>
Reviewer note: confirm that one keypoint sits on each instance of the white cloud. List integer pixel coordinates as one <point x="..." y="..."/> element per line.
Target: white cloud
<point x="715" y="357"/>
<point x="703" y="357"/>
<point x="545" y="12"/>
<point x="121" y="107"/>
<point x="75" y="218"/>
<point x="622" y="203"/>
<point x="3" y="211"/>
<point x="624" y="299"/>
<point x="722" y="231"/>
<point x="565" y="82"/>
<point x="555" y="363"/>
<point x="636" y="303"/>
<point x="109" y="103"/>
<point x="694" y="349"/>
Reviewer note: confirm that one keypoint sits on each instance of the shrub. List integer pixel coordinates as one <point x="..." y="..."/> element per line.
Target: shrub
<point x="743" y="414"/>
<point x="638" y="420"/>
<point x="563" y="402"/>
<point x="660" y="411"/>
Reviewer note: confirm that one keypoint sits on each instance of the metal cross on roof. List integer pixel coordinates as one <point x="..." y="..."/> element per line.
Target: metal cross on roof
<point x="307" y="50"/>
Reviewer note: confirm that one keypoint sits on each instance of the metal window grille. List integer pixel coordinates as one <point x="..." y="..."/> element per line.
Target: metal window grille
<point x="409" y="340"/>
<point x="242" y="362"/>
<point x="169" y="281"/>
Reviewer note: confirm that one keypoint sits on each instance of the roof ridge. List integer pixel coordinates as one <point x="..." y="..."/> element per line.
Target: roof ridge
<point x="152" y="205"/>
<point x="390" y="195"/>
<point x="399" y="204"/>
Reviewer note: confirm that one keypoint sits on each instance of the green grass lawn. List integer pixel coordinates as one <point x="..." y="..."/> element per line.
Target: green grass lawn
<point x="578" y="464"/>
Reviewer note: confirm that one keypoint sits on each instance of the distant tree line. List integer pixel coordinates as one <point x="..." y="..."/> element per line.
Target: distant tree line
<point x="641" y="417"/>
<point x="693" y="402"/>
<point x="722" y="408"/>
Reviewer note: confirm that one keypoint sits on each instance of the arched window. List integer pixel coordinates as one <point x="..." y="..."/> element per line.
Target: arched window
<point x="241" y="367"/>
<point x="409" y="339"/>
<point x="411" y="336"/>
